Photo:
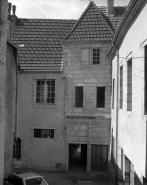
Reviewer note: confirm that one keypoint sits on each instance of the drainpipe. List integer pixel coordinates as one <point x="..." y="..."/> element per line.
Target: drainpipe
<point x="65" y="126"/>
<point x="16" y="101"/>
<point x="117" y="112"/>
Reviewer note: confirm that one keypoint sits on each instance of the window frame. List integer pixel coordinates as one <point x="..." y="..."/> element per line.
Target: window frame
<point x="45" y="91"/>
<point x="121" y="88"/>
<point x="76" y="106"/>
<point x="97" y="97"/>
<point x="92" y="50"/>
<point x="43" y="129"/>
<point x="145" y="80"/>
<point x="129" y="84"/>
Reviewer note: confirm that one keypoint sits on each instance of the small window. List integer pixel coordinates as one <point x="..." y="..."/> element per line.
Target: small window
<point x="100" y="97"/>
<point x="113" y="94"/>
<point x="145" y="81"/>
<point x="121" y="88"/>
<point x="79" y="96"/>
<point x="17" y="148"/>
<point x="44" y="133"/>
<point x="129" y="85"/>
<point x="96" y="56"/>
<point x="45" y="91"/>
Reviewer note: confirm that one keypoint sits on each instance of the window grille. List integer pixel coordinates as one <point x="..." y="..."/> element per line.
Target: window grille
<point x="45" y="91"/>
<point x="96" y="56"/>
<point x="17" y="148"/>
<point x="43" y="133"/>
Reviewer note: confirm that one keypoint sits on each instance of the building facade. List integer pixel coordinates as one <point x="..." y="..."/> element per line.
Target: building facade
<point x="8" y="78"/>
<point x="64" y="90"/>
<point x="128" y="125"/>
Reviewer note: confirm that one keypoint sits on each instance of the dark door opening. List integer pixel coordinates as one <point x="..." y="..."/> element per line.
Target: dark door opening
<point x="77" y="157"/>
<point x="99" y="158"/>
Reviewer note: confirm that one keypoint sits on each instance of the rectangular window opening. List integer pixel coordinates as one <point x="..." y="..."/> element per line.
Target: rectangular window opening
<point x="79" y="96"/>
<point x="45" y="91"/>
<point x="121" y="88"/>
<point x="96" y="55"/>
<point x="113" y="88"/>
<point x="44" y="133"/>
<point x="100" y="97"/>
<point x="129" y="85"/>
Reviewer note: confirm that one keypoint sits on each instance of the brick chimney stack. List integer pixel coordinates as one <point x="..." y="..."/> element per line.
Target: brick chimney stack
<point x="9" y="8"/>
<point x="110" y="7"/>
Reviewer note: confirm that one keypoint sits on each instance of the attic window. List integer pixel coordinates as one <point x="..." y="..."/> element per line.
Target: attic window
<point x="96" y="56"/>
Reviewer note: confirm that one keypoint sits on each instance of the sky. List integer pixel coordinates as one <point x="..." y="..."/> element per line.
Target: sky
<point x="55" y="9"/>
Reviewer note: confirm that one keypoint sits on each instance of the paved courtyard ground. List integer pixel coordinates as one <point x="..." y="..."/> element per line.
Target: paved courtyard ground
<point x="59" y="178"/>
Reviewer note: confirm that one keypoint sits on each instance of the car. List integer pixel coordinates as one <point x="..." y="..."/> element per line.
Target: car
<point x="25" y="178"/>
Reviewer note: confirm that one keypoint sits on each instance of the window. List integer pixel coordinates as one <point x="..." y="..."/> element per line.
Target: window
<point x="85" y="56"/>
<point x="45" y="91"/>
<point x="17" y="148"/>
<point x="100" y="97"/>
<point x="121" y="88"/>
<point x="18" y="181"/>
<point x="96" y="55"/>
<point x="11" y="179"/>
<point x="129" y="85"/>
<point x="44" y="133"/>
<point x="113" y="88"/>
<point x="35" y="181"/>
<point x="79" y="96"/>
<point x="145" y="83"/>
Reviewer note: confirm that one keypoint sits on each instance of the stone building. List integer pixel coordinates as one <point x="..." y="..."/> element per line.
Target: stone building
<point x="64" y="90"/>
<point x="8" y="93"/>
<point x="129" y="76"/>
<point x="87" y="74"/>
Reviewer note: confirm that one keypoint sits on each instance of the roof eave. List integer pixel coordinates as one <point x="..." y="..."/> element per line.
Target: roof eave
<point x="133" y="8"/>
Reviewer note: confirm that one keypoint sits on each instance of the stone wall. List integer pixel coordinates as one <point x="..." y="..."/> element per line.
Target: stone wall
<point x="89" y="124"/>
<point x="3" y="37"/>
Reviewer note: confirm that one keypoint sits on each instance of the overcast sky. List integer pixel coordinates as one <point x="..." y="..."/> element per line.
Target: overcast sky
<point x="55" y="9"/>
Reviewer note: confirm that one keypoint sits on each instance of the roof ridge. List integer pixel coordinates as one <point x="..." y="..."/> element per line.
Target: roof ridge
<point x="79" y="20"/>
<point x="48" y="19"/>
<point x="104" y="18"/>
<point x="93" y="5"/>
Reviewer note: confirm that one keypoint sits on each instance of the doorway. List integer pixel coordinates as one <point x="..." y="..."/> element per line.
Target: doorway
<point x="77" y="157"/>
<point x="99" y="158"/>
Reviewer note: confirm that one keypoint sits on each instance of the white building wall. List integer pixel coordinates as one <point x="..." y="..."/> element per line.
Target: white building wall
<point x="132" y="124"/>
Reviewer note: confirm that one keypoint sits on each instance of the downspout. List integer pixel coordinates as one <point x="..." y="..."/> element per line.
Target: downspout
<point x="65" y="126"/>
<point x="16" y="105"/>
<point x="117" y="112"/>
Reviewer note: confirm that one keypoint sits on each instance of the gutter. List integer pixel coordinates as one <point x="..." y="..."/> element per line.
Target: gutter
<point x="123" y="27"/>
<point x="117" y="116"/>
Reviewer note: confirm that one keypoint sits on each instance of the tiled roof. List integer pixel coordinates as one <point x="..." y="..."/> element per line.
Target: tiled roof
<point x="40" y="40"/>
<point x="95" y="24"/>
<point x="40" y="43"/>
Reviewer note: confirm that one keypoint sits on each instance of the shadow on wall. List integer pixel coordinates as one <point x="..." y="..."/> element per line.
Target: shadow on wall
<point x="128" y="179"/>
<point x="126" y="174"/>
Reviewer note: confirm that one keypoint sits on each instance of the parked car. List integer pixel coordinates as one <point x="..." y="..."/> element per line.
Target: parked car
<point x="25" y="178"/>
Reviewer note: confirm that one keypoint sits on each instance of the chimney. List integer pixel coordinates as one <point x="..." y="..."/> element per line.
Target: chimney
<point x="110" y="5"/>
<point x="13" y="9"/>
<point x="9" y="8"/>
